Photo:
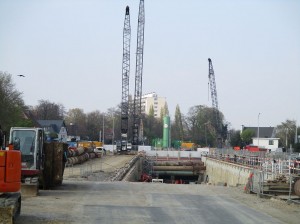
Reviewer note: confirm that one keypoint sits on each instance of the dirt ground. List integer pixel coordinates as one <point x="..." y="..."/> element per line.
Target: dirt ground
<point x="103" y="170"/>
<point x="98" y="169"/>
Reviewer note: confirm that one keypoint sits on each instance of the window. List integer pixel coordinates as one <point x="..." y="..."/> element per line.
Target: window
<point x="271" y="142"/>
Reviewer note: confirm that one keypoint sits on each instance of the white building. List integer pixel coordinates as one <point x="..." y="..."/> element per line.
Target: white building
<point x="151" y="99"/>
<point x="266" y="138"/>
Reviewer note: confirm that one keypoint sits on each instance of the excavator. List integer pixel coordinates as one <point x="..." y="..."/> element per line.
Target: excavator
<point x="42" y="163"/>
<point x="10" y="185"/>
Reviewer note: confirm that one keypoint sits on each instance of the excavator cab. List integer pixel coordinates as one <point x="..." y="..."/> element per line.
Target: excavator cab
<point x="30" y="142"/>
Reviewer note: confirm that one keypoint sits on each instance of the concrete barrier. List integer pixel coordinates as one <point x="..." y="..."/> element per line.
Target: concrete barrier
<point x="220" y="172"/>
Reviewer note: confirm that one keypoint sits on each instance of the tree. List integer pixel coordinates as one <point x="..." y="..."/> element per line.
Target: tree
<point x="93" y="125"/>
<point x="47" y="110"/>
<point x="11" y="103"/>
<point x="76" y="121"/>
<point x="177" y="130"/>
<point x="247" y="136"/>
<point x="202" y="125"/>
<point x="235" y="138"/>
<point x="286" y="133"/>
<point x="149" y="125"/>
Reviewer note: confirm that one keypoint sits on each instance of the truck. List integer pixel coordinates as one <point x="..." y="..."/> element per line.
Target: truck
<point x="123" y="146"/>
<point x="254" y="148"/>
<point x="42" y="163"/>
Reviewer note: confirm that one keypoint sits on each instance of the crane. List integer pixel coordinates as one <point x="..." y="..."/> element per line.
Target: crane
<point x="125" y="80"/>
<point x="138" y="76"/>
<point x="214" y="97"/>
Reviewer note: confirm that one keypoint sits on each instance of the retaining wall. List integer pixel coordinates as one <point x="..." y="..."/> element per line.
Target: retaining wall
<point x="225" y="173"/>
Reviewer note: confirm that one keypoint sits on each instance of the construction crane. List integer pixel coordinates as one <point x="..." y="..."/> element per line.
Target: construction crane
<point x="138" y="77"/>
<point x="125" y="81"/>
<point x="214" y="98"/>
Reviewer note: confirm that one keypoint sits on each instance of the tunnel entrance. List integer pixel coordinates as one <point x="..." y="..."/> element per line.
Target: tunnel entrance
<point x="173" y="170"/>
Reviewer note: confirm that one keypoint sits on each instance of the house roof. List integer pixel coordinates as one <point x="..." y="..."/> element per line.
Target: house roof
<point x="264" y="132"/>
<point x="54" y="124"/>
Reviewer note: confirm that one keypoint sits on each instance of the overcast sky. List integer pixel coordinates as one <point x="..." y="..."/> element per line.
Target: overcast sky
<point x="71" y="53"/>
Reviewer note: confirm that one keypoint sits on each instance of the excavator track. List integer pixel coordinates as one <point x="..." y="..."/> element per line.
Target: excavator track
<point x="10" y="207"/>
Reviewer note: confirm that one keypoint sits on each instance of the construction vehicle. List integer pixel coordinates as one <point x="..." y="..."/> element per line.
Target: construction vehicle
<point x="123" y="146"/>
<point x="42" y="163"/>
<point x="10" y="185"/>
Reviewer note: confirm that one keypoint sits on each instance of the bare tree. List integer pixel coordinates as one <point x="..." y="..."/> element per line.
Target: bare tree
<point x="47" y="110"/>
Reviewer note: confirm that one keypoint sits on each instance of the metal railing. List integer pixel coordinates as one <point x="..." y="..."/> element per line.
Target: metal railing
<point x="267" y="168"/>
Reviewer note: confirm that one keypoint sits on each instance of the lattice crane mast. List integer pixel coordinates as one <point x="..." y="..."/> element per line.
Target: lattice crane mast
<point x="125" y="80"/>
<point x="138" y="76"/>
<point x="214" y="98"/>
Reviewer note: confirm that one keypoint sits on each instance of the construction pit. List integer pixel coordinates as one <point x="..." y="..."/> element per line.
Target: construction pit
<point x="167" y="167"/>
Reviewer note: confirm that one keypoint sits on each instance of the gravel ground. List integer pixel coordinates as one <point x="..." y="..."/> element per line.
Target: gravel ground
<point x="280" y="209"/>
<point x="102" y="170"/>
<point x="275" y="207"/>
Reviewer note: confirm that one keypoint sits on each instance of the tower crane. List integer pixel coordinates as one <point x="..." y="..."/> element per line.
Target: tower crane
<point x="138" y="76"/>
<point x="125" y="81"/>
<point x="214" y="97"/>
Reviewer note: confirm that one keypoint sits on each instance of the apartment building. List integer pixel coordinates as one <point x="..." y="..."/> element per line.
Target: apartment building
<point x="152" y="99"/>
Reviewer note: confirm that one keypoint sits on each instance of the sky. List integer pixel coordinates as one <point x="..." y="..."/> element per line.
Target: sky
<point x="71" y="53"/>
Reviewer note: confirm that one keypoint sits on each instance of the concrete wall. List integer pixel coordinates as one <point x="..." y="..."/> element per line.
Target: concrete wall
<point x="221" y="172"/>
<point x="134" y="174"/>
<point x="174" y="154"/>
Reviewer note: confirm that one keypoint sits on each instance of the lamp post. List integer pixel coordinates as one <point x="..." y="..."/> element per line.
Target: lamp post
<point x="258" y="130"/>
<point x="113" y="134"/>
<point x="286" y="138"/>
<point x="103" y="130"/>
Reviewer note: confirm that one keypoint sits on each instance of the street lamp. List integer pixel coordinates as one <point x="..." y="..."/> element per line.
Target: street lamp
<point x="113" y="134"/>
<point x="258" y="130"/>
<point x="103" y="129"/>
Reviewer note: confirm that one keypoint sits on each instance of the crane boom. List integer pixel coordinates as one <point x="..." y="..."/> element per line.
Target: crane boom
<point x="138" y="75"/>
<point x="125" y="75"/>
<point x="214" y="98"/>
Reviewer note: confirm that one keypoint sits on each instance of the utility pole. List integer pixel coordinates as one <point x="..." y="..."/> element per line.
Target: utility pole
<point x="138" y="76"/>
<point x="258" y="130"/>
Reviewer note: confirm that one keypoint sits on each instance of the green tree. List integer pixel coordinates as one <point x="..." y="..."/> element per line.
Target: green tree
<point x="177" y="129"/>
<point x="11" y="103"/>
<point x="202" y="125"/>
<point x="149" y="125"/>
<point x="247" y="136"/>
<point x="235" y="138"/>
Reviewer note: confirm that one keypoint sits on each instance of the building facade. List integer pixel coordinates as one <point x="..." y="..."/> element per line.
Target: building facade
<point x="266" y="138"/>
<point x="152" y="99"/>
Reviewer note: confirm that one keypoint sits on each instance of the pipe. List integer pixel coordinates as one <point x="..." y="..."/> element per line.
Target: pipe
<point x="178" y="168"/>
<point x="179" y="173"/>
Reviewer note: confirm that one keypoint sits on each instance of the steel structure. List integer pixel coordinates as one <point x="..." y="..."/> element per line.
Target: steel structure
<point x="138" y="75"/>
<point x="214" y="98"/>
<point x="125" y="76"/>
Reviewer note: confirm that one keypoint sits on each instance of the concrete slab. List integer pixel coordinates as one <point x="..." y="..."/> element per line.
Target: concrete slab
<point x="125" y="202"/>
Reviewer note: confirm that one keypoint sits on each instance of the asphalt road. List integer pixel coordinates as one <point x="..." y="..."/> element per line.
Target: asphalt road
<point x="123" y="202"/>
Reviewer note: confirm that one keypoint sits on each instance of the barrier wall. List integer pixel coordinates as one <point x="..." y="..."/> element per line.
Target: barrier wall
<point x="223" y="173"/>
<point x="175" y="154"/>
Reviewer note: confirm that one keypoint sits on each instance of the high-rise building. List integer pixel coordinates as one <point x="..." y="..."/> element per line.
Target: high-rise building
<point x="151" y="99"/>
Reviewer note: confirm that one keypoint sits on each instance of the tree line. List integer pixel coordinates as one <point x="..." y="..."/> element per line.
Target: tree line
<point x="198" y="126"/>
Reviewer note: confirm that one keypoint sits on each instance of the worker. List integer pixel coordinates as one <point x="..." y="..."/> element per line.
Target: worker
<point x="1" y="138"/>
